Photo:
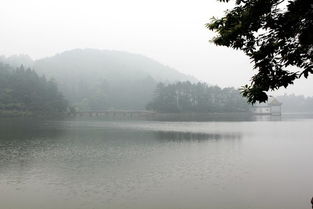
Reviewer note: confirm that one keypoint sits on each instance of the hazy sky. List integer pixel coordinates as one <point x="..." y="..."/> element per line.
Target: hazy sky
<point x="170" y="31"/>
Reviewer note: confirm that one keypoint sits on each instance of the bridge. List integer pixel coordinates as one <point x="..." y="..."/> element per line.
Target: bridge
<point x="115" y="114"/>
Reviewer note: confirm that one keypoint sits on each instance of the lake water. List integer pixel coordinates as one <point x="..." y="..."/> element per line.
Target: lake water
<point x="154" y="165"/>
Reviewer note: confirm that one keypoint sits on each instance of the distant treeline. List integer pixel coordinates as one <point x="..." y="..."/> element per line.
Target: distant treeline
<point x="296" y="103"/>
<point x="23" y="92"/>
<point x="93" y="80"/>
<point x="199" y="97"/>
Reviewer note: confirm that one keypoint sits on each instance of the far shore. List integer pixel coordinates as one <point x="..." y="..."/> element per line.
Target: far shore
<point x="122" y="115"/>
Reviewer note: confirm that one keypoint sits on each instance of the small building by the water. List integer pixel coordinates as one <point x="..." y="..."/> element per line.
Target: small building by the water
<point x="273" y="107"/>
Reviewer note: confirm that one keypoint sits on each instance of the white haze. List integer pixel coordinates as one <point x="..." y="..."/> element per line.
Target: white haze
<point x="170" y="31"/>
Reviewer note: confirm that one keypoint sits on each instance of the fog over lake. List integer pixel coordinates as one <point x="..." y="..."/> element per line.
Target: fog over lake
<point x="145" y="104"/>
<point x="112" y="164"/>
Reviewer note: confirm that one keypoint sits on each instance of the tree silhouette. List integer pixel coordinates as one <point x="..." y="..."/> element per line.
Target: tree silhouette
<point x="275" y="34"/>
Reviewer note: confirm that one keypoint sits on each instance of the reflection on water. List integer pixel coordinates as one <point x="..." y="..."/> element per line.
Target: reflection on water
<point x="121" y="165"/>
<point x="23" y="129"/>
<point x="267" y="117"/>
<point x="192" y="136"/>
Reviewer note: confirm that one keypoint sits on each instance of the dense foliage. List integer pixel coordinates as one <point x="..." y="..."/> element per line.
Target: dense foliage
<point x="23" y="92"/>
<point x="275" y="34"/>
<point x="188" y="97"/>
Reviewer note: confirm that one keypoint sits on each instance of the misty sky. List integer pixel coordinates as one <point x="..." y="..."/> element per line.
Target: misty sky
<point x="170" y="31"/>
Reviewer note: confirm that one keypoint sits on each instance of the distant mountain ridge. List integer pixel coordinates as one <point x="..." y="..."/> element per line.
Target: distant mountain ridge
<point x="93" y="79"/>
<point x="111" y="63"/>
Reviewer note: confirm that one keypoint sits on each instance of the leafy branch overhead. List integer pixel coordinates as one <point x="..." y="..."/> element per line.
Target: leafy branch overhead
<point x="275" y="34"/>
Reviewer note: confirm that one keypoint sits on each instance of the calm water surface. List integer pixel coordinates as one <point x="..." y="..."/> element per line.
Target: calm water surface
<point x="153" y="165"/>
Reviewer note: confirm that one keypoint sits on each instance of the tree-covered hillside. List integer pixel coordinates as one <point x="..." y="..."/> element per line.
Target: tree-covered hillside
<point x="101" y="79"/>
<point x="199" y="97"/>
<point x="23" y="92"/>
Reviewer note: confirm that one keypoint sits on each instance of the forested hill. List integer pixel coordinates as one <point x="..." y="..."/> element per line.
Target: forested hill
<point x="101" y="79"/>
<point x="114" y="65"/>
